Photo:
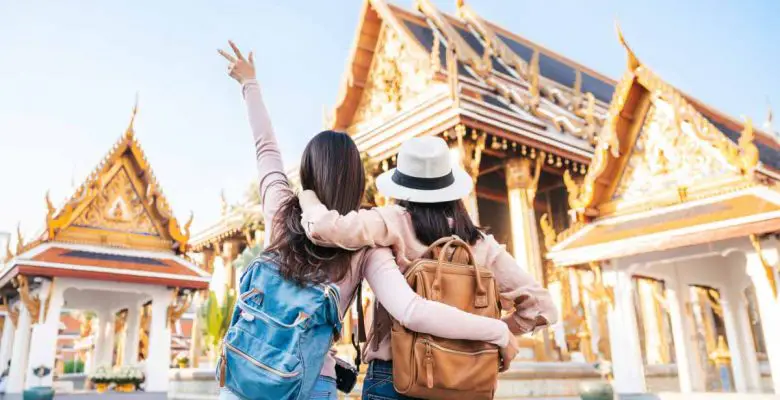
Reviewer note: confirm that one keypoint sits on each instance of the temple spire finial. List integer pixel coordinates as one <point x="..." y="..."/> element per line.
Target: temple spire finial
<point x="769" y="118"/>
<point x="130" y="131"/>
<point x="633" y="61"/>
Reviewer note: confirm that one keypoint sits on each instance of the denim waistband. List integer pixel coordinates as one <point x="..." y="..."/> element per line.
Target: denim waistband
<point x="379" y="369"/>
<point x="327" y="378"/>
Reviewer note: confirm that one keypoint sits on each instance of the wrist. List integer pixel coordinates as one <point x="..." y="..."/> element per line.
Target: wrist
<point x="504" y="340"/>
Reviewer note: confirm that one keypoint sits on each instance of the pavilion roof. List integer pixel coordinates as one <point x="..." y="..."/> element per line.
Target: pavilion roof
<point x="119" y="206"/>
<point x="503" y="78"/>
<point x="667" y="172"/>
<point x="91" y="262"/>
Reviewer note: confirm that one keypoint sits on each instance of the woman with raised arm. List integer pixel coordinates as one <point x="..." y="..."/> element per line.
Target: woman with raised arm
<point x="427" y="191"/>
<point x="331" y="168"/>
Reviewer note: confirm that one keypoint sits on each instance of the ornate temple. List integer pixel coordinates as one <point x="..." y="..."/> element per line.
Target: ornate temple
<point x="648" y="214"/>
<point x="104" y="284"/>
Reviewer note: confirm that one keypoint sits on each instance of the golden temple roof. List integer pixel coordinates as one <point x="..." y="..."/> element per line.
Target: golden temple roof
<point x="120" y="204"/>
<point x="545" y="95"/>
<point x="667" y="171"/>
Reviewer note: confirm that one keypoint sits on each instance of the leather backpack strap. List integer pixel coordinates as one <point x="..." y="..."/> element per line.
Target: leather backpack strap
<point x="359" y="336"/>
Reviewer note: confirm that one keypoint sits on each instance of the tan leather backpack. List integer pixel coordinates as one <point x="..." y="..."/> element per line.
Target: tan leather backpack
<point x="430" y="367"/>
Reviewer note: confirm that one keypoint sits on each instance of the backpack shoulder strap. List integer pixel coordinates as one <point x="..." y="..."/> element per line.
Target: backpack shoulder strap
<point x="359" y="336"/>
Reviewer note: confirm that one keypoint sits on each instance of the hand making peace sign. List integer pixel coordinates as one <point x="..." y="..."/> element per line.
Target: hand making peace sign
<point x="239" y="68"/>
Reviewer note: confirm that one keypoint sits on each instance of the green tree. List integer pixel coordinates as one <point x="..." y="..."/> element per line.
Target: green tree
<point x="216" y="315"/>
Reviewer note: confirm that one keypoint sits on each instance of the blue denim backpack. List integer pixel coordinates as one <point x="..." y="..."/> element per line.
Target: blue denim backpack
<point x="279" y="335"/>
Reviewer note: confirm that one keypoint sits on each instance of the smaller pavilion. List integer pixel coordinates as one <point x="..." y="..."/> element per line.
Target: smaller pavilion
<point x="113" y="249"/>
<point x="681" y="205"/>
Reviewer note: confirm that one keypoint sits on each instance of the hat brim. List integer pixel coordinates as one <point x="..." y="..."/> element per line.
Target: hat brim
<point x="460" y="188"/>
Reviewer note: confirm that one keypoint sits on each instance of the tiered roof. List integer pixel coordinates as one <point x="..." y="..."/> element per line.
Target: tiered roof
<point x="494" y="79"/>
<point x="667" y="172"/>
<point x="116" y="226"/>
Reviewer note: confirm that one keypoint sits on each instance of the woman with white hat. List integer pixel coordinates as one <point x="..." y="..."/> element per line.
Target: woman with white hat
<point x="331" y="167"/>
<point x="427" y="191"/>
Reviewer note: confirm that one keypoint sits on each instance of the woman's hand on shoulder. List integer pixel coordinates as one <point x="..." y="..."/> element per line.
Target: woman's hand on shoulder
<point x="241" y="69"/>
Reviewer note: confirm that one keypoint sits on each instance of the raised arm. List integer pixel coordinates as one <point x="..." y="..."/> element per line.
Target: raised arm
<point x="351" y="231"/>
<point x="274" y="187"/>
<point x="421" y="315"/>
<point x="532" y="303"/>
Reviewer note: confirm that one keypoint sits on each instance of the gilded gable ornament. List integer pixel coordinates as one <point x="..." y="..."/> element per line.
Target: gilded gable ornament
<point x="118" y="207"/>
<point x="665" y="157"/>
<point x="395" y="78"/>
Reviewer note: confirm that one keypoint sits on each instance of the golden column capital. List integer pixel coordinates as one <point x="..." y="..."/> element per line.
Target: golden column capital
<point x="523" y="173"/>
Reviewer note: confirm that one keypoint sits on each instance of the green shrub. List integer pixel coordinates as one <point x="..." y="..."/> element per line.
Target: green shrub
<point x="74" y="367"/>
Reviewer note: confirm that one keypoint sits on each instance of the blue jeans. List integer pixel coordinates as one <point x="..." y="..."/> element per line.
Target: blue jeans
<point x="378" y="384"/>
<point x="324" y="388"/>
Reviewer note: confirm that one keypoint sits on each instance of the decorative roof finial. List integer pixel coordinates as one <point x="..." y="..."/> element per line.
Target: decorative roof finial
<point x="633" y="61"/>
<point x="459" y="3"/>
<point x="769" y="117"/>
<point x="19" y="239"/>
<point x="223" y="202"/>
<point x="748" y="152"/>
<point x="130" y="130"/>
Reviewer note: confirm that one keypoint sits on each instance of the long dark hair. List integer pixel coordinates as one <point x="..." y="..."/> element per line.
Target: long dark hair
<point x="431" y="221"/>
<point x="331" y="167"/>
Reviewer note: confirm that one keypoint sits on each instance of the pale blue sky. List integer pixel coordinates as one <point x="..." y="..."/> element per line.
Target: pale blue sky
<point x="69" y="71"/>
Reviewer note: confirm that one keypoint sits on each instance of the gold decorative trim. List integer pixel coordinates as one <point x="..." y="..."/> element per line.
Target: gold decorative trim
<point x="632" y="60"/>
<point x="748" y="152"/>
<point x="743" y="157"/>
<point x="600" y="292"/>
<point x="550" y="236"/>
<point x="32" y="303"/>
<point x="768" y="270"/>
<point x="530" y="72"/>
<point x="178" y="307"/>
<point x="607" y="144"/>
<point x="13" y="312"/>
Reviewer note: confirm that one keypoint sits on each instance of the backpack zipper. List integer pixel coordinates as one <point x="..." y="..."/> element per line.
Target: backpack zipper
<point x="261" y="365"/>
<point x="465" y="353"/>
<point x="222" y="368"/>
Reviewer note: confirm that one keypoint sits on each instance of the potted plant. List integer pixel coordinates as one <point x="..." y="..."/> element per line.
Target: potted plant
<point x="101" y="378"/>
<point x="39" y="392"/>
<point x="601" y="390"/>
<point x="183" y="361"/>
<point x="127" y="379"/>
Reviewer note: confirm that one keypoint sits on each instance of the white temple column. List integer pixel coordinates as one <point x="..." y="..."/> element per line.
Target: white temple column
<point x="737" y="343"/>
<point x="628" y="367"/>
<point x="44" y="335"/>
<point x="196" y="337"/>
<point x="159" y="358"/>
<point x="20" y="352"/>
<point x="7" y="342"/>
<point x="521" y="191"/>
<point x="132" y="332"/>
<point x="688" y="369"/>
<point x="769" y="308"/>
<point x="104" y="339"/>
<point x="745" y="337"/>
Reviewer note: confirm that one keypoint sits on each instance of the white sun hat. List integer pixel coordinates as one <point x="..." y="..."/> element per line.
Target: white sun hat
<point x="425" y="174"/>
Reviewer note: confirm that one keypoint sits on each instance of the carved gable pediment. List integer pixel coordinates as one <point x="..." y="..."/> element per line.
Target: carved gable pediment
<point x="118" y="207"/>
<point x="668" y="156"/>
<point x="395" y="79"/>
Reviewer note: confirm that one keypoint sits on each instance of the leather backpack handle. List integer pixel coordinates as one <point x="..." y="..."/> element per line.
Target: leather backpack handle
<point x="454" y="242"/>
